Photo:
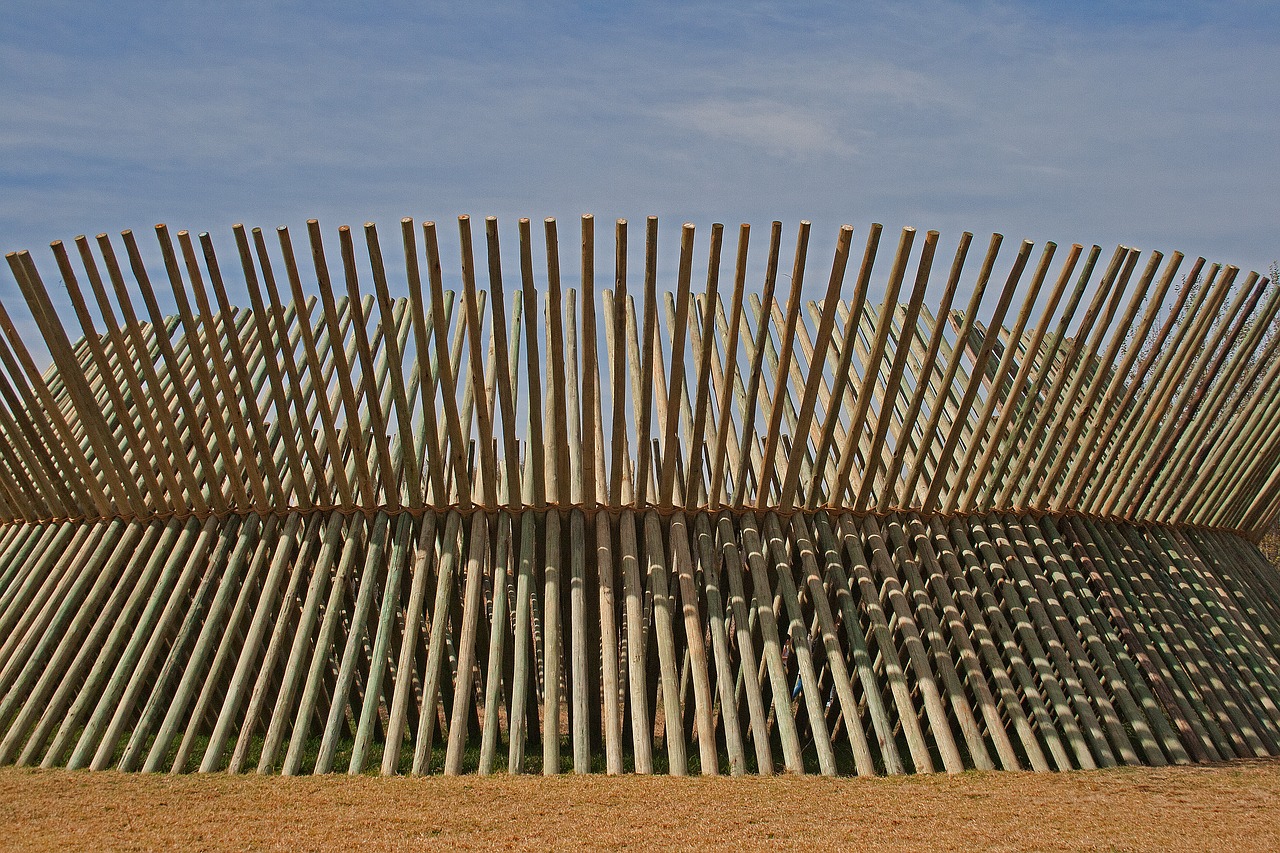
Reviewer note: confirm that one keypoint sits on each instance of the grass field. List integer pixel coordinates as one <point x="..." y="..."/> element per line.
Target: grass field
<point x="1226" y="807"/>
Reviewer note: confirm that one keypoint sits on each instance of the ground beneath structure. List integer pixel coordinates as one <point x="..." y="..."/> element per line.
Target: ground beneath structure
<point x="1233" y="806"/>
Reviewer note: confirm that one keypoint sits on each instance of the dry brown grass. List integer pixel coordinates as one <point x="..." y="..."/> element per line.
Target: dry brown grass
<point x="1229" y="807"/>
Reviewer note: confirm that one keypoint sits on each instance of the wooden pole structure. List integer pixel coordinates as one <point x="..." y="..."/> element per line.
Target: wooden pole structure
<point x="699" y="529"/>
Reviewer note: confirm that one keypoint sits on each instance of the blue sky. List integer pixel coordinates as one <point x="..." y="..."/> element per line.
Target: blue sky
<point x="1150" y="124"/>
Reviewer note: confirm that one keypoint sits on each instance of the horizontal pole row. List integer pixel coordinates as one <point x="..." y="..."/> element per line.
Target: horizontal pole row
<point x="554" y="640"/>
<point x="1068" y="383"/>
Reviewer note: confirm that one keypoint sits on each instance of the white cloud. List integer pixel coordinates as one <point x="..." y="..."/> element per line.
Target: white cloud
<point x="778" y="129"/>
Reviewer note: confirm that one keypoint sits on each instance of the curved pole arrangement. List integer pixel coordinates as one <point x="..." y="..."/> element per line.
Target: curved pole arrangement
<point x="894" y="408"/>
<point x="683" y="526"/>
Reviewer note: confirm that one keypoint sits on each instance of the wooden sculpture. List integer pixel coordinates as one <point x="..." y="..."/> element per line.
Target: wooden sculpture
<point x="716" y="529"/>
